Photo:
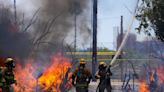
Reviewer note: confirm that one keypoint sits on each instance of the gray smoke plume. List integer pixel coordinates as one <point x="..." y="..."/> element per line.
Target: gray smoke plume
<point x="12" y="42"/>
<point x="50" y="28"/>
<point x="57" y="17"/>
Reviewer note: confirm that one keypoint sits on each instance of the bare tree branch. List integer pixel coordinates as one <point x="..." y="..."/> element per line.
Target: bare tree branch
<point x="47" y="30"/>
<point x="32" y="21"/>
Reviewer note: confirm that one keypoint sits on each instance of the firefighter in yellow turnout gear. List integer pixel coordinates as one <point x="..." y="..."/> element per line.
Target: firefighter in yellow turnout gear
<point x="7" y="75"/>
<point x="82" y="77"/>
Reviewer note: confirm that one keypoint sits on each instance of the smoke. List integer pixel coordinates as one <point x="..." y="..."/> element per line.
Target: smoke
<point x="12" y="42"/>
<point x="61" y="14"/>
<point x="50" y="28"/>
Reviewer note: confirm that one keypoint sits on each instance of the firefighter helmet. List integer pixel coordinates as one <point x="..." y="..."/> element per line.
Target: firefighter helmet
<point x="8" y="60"/>
<point x="102" y="64"/>
<point x="82" y="61"/>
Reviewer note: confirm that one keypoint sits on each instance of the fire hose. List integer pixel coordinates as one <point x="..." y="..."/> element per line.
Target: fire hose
<point x="123" y="43"/>
<point x="126" y="36"/>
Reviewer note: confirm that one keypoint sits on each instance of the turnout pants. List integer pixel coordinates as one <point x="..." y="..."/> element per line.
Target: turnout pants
<point x="104" y="86"/>
<point x="80" y="89"/>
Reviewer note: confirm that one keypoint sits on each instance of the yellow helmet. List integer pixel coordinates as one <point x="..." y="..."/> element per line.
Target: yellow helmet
<point x="102" y="63"/>
<point x="9" y="60"/>
<point x="82" y="61"/>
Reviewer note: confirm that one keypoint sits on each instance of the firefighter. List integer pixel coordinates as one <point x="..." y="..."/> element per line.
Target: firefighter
<point x="8" y="74"/>
<point x="104" y="74"/>
<point x="82" y="77"/>
<point x="2" y="81"/>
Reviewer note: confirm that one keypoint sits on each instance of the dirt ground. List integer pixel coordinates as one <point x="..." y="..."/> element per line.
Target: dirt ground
<point x="116" y="86"/>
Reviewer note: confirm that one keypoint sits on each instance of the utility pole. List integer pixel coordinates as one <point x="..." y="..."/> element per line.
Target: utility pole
<point x="76" y="12"/>
<point x="75" y="39"/>
<point x="121" y="39"/>
<point x="15" y="12"/>
<point x="75" y="25"/>
<point x="94" y="52"/>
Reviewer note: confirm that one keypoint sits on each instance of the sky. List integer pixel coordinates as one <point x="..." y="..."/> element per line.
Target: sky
<point x="109" y="15"/>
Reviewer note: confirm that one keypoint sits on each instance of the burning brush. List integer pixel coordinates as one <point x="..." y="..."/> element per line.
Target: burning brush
<point x="52" y="79"/>
<point x="154" y="81"/>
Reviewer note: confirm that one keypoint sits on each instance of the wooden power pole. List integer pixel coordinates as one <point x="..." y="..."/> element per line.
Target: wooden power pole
<point x="15" y="12"/>
<point x="94" y="53"/>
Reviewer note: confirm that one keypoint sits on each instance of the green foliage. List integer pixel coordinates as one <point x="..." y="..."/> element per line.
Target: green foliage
<point x="151" y="17"/>
<point x="103" y="49"/>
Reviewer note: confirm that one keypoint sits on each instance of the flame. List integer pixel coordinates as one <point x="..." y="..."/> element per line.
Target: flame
<point x="49" y="80"/>
<point x="156" y="76"/>
<point x="24" y="76"/>
<point x="53" y="76"/>
<point x="152" y="76"/>
<point x="143" y="87"/>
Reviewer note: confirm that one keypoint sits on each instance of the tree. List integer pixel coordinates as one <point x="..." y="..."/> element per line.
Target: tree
<point x="151" y="17"/>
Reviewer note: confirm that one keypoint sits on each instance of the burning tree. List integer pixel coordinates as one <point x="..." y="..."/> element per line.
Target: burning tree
<point x="33" y="41"/>
<point x="151" y="17"/>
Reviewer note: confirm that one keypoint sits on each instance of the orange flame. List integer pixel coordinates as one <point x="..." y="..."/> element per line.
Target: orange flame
<point x="50" y="79"/>
<point x="143" y="87"/>
<point x="53" y="76"/>
<point x="25" y="80"/>
<point x="152" y="76"/>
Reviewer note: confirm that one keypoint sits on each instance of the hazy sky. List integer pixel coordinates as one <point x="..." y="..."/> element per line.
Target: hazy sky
<point x="109" y="17"/>
<point x="109" y="12"/>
